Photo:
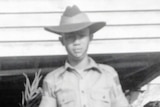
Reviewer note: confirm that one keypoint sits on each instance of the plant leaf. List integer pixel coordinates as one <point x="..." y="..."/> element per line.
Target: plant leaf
<point x="32" y="94"/>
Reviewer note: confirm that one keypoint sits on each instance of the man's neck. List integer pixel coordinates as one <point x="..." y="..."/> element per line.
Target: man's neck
<point x="79" y="64"/>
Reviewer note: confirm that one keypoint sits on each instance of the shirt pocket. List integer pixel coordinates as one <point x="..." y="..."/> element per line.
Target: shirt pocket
<point x="100" y="98"/>
<point x="66" y="100"/>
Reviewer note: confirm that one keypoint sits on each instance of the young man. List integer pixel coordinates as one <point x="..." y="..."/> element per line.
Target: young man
<point x="81" y="82"/>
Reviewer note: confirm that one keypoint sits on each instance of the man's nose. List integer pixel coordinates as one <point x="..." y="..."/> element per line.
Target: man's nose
<point x="77" y="39"/>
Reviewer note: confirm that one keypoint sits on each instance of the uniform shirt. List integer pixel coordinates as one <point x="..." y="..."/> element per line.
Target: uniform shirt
<point x="97" y="86"/>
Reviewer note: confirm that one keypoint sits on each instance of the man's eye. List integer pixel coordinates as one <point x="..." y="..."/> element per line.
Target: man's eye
<point x="81" y="36"/>
<point x="69" y="36"/>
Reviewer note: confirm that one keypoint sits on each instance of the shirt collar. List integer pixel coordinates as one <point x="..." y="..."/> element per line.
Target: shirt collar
<point x="92" y="65"/>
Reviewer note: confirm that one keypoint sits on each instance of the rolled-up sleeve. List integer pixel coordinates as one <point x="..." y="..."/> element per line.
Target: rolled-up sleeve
<point x="48" y="97"/>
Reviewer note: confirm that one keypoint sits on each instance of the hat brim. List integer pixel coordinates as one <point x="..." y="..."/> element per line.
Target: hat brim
<point x="93" y="26"/>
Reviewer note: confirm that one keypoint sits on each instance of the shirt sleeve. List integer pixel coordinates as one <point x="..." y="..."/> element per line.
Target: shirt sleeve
<point x="117" y="95"/>
<point x="48" y="97"/>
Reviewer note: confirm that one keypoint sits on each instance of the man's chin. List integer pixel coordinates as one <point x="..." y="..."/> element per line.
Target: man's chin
<point x="78" y="57"/>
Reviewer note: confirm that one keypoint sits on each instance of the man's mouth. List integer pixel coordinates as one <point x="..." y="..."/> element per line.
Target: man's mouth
<point x="78" y="50"/>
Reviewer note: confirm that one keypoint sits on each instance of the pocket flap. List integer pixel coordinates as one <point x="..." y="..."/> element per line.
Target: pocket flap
<point x="103" y="96"/>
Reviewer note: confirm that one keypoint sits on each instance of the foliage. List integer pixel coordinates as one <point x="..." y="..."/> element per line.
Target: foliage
<point x="32" y="95"/>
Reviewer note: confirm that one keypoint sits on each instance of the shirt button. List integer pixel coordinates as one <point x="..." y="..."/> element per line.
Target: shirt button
<point x="82" y="91"/>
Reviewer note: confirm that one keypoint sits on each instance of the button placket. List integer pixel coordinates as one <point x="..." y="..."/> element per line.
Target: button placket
<point x="82" y="92"/>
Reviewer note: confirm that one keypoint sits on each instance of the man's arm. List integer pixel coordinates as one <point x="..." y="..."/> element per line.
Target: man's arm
<point x="48" y="97"/>
<point x="117" y="96"/>
<point x="119" y="99"/>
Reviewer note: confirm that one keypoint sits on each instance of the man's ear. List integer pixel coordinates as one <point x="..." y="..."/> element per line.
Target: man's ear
<point x="61" y="40"/>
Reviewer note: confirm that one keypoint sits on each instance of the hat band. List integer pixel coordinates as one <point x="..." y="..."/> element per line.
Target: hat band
<point x="79" y="18"/>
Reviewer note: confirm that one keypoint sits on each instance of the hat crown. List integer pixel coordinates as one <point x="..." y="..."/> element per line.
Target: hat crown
<point x="71" y="11"/>
<point x="73" y="15"/>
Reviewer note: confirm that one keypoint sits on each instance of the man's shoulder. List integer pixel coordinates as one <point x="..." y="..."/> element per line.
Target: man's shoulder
<point x="108" y="69"/>
<point x="54" y="74"/>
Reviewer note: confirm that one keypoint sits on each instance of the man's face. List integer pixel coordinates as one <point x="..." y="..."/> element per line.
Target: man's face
<point x="76" y="43"/>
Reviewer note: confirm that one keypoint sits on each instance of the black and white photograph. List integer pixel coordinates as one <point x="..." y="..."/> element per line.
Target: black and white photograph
<point x="79" y="53"/>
